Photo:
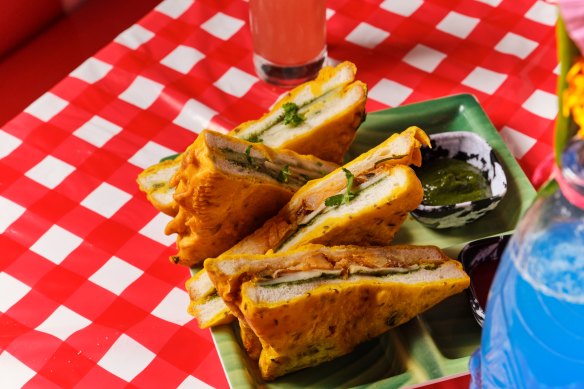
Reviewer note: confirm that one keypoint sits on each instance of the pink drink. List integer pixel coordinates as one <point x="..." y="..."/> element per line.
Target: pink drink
<point x="289" y="38"/>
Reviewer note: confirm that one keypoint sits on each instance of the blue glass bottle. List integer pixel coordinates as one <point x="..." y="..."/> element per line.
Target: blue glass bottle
<point x="533" y="335"/>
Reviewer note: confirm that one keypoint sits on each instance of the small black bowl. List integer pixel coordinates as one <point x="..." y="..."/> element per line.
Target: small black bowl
<point x="480" y="260"/>
<point x="473" y="149"/>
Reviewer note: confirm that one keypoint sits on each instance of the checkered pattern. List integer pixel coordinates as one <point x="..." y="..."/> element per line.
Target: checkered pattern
<point x="88" y="297"/>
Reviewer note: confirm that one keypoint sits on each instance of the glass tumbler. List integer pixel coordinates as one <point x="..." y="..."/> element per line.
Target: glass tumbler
<point x="289" y="39"/>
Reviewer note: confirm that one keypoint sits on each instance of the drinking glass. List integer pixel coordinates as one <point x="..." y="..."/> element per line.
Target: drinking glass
<point x="289" y="39"/>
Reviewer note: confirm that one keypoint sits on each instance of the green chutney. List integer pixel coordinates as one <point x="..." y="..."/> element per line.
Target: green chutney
<point x="449" y="181"/>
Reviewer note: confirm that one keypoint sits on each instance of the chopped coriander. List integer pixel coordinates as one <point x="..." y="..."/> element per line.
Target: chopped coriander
<point x="349" y="195"/>
<point x="334" y="201"/>
<point x="342" y="198"/>
<point x="248" y="157"/>
<point x="291" y="116"/>
<point x="254" y="138"/>
<point x="306" y="178"/>
<point x="284" y="174"/>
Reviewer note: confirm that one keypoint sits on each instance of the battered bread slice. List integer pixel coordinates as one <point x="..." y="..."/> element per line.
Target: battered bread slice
<point x="315" y="303"/>
<point x="227" y="187"/>
<point x="155" y="182"/>
<point x="317" y="118"/>
<point x="376" y="205"/>
<point x="379" y="210"/>
<point x="399" y="150"/>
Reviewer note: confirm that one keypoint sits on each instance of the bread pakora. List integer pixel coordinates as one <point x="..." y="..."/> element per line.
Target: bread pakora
<point x="227" y="187"/>
<point x="370" y="218"/>
<point x="155" y="182"/>
<point x="317" y="118"/>
<point x="315" y="303"/>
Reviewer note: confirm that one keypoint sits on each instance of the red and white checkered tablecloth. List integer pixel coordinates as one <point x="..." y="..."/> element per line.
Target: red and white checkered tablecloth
<point x="88" y="297"/>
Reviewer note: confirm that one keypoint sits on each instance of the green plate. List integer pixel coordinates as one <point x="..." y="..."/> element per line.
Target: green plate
<point x="439" y="342"/>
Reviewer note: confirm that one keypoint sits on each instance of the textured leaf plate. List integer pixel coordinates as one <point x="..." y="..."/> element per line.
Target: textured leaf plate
<point x="439" y="342"/>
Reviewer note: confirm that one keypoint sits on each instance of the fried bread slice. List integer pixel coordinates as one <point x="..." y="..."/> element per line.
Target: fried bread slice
<point x="328" y="111"/>
<point x="401" y="149"/>
<point x="227" y="187"/>
<point x="317" y="118"/>
<point x="315" y="303"/>
<point x="155" y="182"/>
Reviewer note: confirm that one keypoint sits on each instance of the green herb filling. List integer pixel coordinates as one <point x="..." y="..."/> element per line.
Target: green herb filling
<point x="292" y="117"/>
<point x="343" y="198"/>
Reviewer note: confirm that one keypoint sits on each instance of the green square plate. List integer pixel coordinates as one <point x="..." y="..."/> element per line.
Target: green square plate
<point x="439" y="342"/>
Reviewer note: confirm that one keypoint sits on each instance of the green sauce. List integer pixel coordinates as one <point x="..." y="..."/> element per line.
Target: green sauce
<point x="449" y="181"/>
